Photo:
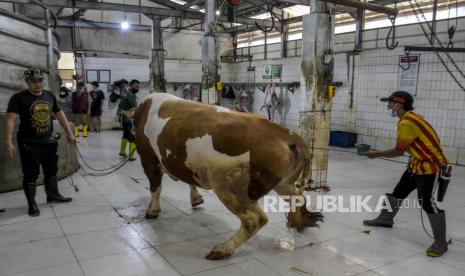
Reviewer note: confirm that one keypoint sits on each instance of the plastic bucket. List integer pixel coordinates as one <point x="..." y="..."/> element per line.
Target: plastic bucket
<point x="362" y="149"/>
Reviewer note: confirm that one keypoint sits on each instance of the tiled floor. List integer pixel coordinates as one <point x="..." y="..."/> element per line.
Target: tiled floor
<point x="103" y="231"/>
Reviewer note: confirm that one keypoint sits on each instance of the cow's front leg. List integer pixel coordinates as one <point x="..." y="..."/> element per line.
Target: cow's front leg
<point x="196" y="198"/>
<point x="154" y="174"/>
<point x="153" y="211"/>
<point x="252" y="220"/>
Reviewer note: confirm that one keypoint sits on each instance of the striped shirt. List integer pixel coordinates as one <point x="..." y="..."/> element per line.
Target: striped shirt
<point x="420" y="140"/>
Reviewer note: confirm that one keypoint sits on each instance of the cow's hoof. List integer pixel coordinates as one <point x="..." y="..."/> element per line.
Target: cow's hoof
<point x="196" y="202"/>
<point x="152" y="215"/>
<point x="217" y="255"/>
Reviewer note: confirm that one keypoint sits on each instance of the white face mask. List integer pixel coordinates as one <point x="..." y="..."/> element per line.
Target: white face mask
<point x="393" y="111"/>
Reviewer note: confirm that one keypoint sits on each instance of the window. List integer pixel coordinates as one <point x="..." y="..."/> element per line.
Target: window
<point x="91" y="75"/>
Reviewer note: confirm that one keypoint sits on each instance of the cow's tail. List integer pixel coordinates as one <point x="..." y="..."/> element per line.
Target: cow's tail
<point x="300" y="164"/>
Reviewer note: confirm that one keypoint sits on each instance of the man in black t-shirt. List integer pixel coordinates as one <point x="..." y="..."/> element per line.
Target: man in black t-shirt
<point x="37" y="147"/>
<point x="96" y="106"/>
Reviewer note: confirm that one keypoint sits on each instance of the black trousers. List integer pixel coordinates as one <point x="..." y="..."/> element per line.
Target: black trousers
<point x="128" y="132"/>
<point x="36" y="155"/>
<point x="424" y="185"/>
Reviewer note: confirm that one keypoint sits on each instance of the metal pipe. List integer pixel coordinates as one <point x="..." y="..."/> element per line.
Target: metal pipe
<point x="359" y="30"/>
<point x="365" y="6"/>
<point x="83" y="68"/>
<point x="434" y="49"/>
<point x="265" y="47"/>
<point x="433" y="23"/>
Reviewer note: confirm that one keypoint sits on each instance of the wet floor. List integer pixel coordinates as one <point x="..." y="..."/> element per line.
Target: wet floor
<point x="104" y="232"/>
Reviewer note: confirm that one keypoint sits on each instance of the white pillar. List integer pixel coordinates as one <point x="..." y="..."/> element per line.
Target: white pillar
<point x="315" y="106"/>
<point x="157" y="66"/>
<point x="209" y="55"/>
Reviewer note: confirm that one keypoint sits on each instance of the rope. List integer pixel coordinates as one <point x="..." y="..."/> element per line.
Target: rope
<point x="70" y="176"/>
<point x="264" y="29"/>
<point x="392" y="31"/>
<point x="101" y="172"/>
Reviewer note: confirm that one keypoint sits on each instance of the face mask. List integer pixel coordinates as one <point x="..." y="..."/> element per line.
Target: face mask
<point x="393" y="111"/>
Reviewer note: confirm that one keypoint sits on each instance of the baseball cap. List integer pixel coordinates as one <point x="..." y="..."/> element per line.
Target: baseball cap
<point x="33" y="74"/>
<point x="401" y="97"/>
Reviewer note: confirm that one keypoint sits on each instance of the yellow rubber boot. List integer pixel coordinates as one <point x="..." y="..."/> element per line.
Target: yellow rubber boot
<point x="122" y="151"/>
<point x="132" y="150"/>
<point x="84" y="130"/>
<point x="76" y="131"/>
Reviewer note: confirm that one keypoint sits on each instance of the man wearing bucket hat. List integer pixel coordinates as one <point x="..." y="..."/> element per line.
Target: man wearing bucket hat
<point x="416" y="136"/>
<point x="36" y="145"/>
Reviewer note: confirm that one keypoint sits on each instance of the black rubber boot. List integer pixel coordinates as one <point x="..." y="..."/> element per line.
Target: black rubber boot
<point x="51" y="189"/>
<point x="30" y="192"/>
<point x="438" y="225"/>
<point x="386" y="218"/>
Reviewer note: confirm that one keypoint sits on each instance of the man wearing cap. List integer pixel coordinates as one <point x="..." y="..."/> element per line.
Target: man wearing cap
<point x="416" y="136"/>
<point x="36" y="145"/>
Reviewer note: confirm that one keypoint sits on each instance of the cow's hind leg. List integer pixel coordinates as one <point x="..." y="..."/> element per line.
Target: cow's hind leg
<point x="299" y="217"/>
<point x="252" y="220"/>
<point x="196" y="198"/>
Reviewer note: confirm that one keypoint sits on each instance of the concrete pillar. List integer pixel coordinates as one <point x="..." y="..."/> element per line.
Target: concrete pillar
<point x="52" y="64"/>
<point x="157" y="66"/>
<point x="209" y="55"/>
<point x="315" y="106"/>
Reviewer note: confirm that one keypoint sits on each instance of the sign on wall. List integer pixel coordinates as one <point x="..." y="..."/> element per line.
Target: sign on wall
<point x="408" y="73"/>
<point x="272" y="71"/>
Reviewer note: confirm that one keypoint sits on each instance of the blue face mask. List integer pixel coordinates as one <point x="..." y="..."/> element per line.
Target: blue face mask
<point x="392" y="113"/>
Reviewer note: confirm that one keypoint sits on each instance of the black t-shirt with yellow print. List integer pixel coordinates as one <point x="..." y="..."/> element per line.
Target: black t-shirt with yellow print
<point x="35" y="114"/>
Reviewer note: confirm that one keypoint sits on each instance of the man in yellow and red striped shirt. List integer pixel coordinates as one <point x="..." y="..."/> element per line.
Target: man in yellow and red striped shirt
<point x="418" y="138"/>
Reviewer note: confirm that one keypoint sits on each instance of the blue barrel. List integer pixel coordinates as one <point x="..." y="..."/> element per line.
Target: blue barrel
<point x="342" y="139"/>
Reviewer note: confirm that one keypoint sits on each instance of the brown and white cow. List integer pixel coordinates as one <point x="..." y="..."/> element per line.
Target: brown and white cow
<point x="241" y="157"/>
